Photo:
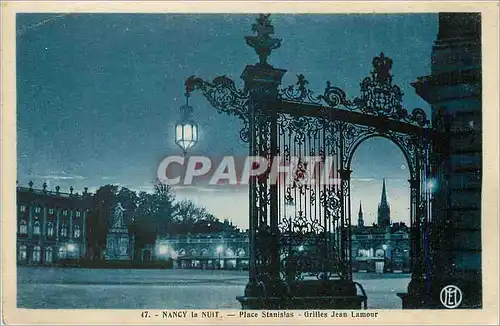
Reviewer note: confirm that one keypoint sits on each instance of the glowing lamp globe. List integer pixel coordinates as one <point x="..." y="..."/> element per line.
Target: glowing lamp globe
<point x="186" y="131"/>
<point x="431" y="185"/>
<point x="163" y="249"/>
<point x="71" y="247"/>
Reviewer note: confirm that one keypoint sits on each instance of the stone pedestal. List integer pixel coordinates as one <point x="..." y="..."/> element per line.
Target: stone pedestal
<point x="118" y="244"/>
<point x="424" y="295"/>
<point x="333" y="294"/>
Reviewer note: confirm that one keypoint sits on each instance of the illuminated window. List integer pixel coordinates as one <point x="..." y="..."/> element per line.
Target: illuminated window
<point x="38" y="209"/>
<point x="23" y="227"/>
<point x="37" y="254"/>
<point x="48" y="255"/>
<point x="22" y="208"/>
<point x="64" y="230"/>
<point x="23" y="253"/>
<point x="77" y="213"/>
<point x="36" y="228"/>
<point x="65" y="212"/>
<point x="51" y="211"/>
<point x="50" y="229"/>
<point x="77" y="231"/>
<point x="62" y="253"/>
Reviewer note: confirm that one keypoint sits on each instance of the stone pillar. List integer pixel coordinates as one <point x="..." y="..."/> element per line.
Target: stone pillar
<point x="43" y="234"/>
<point x="84" y="232"/>
<point x="58" y="220"/>
<point x="44" y="222"/>
<point x="70" y="226"/>
<point x="262" y="80"/>
<point x="454" y="91"/>
<point x="30" y="220"/>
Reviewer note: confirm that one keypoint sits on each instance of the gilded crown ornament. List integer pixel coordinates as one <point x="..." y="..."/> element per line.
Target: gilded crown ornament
<point x="382" y="68"/>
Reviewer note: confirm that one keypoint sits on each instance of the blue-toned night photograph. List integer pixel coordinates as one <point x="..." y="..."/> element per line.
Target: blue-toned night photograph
<point x="249" y="161"/>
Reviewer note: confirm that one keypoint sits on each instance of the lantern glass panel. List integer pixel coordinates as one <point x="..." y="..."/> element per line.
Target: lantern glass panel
<point x="195" y="133"/>
<point x="188" y="132"/>
<point x="178" y="133"/>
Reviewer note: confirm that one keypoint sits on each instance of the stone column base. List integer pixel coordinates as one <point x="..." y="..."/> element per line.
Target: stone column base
<point x="420" y="295"/>
<point x="313" y="294"/>
<point x="274" y="303"/>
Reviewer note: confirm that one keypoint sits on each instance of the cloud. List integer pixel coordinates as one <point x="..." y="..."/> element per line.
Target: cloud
<point x="196" y="189"/>
<point x="209" y="189"/>
<point x="60" y="176"/>
<point x="107" y="178"/>
<point x="364" y="180"/>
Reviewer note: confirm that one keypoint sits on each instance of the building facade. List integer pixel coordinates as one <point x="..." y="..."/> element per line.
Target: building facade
<point x="382" y="247"/>
<point x="221" y="250"/>
<point x="51" y="225"/>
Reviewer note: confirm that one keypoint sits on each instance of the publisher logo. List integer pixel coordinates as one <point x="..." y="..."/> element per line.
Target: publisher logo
<point x="451" y="296"/>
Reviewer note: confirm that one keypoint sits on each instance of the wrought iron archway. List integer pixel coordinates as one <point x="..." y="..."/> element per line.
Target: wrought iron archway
<point x="300" y="234"/>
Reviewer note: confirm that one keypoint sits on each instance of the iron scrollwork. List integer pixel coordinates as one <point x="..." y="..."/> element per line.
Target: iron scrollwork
<point x="378" y="95"/>
<point x="225" y="97"/>
<point x="310" y="231"/>
<point x="299" y="92"/>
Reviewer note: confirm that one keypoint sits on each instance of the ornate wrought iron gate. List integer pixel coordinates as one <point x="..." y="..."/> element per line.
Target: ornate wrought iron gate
<point x="300" y="225"/>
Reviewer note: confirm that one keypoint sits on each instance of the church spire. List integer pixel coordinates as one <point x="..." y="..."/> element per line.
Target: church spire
<point x="384" y="212"/>
<point x="383" y="200"/>
<point x="360" y="216"/>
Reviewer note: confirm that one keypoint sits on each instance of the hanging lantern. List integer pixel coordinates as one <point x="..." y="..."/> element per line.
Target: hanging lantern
<point x="186" y="131"/>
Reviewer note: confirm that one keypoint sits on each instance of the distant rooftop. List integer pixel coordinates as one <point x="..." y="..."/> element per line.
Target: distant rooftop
<point x="57" y="192"/>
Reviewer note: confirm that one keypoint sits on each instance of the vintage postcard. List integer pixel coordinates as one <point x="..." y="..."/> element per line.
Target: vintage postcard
<point x="250" y="162"/>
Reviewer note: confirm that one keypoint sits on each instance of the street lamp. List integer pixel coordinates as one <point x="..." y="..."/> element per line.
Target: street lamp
<point x="71" y="247"/>
<point x="219" y="250"/>
<point x="186" y="131"/>
<point x="431" y="185"/>
<point x="162" y="249"/>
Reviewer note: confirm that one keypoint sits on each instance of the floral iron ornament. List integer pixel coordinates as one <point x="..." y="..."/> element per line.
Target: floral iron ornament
<point x="379" y="96"/>
<point x="224" y="96"/>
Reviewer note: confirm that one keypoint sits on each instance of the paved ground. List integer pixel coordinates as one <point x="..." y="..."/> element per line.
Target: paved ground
<point x="53" y="288"/>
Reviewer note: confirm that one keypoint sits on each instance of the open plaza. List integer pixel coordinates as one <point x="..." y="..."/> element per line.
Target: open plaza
<point x="80" y="288"/>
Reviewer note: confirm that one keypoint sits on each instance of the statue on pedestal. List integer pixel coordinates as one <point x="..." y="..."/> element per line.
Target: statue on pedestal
<point x="118" y="216"/>
<point x="119" y="243"/>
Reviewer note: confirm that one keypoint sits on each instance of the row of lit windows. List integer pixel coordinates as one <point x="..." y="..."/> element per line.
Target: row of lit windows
<point x="23" y="229"/>
<point x="38" y="209"/>
<point x="36" y="255"/>
<point x="162" y="249"/>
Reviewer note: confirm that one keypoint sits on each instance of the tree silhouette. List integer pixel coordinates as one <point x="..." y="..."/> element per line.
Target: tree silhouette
<point x="148" y="215"/>
<point x="102" y="201"/>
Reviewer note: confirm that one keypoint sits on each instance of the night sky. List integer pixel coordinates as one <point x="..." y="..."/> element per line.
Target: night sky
<point x="99" y="94"/>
